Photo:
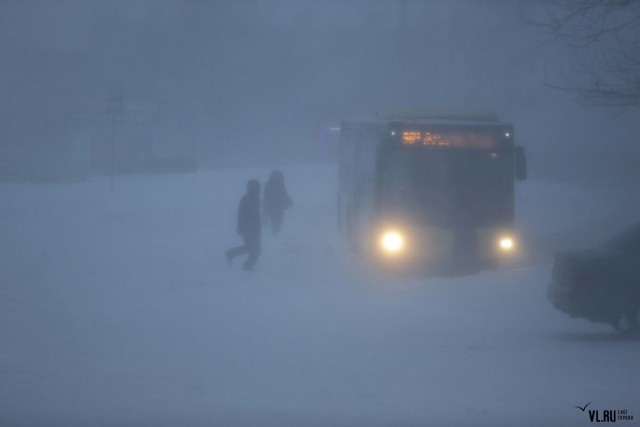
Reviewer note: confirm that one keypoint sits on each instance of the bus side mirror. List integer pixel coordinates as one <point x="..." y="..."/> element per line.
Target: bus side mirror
<point x="521" y="163"/>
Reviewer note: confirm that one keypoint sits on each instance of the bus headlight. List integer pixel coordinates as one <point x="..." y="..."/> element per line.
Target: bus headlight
<point x="506" y="244"/>
<point x="392" y="242"/>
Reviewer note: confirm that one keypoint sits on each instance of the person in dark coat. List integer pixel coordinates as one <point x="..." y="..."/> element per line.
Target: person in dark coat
<point x="276" y="200"/>
<point x="248" y="227"/>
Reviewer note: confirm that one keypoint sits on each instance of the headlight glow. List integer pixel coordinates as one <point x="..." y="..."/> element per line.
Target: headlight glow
<point x="392" y="241"/>
<point x="506" y="243"/>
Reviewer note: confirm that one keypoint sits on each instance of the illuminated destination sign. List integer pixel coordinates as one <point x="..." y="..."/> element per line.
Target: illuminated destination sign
<point x="454" y="138"/>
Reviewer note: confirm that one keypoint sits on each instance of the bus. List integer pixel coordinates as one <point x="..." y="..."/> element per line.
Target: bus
<point x="431" y="189"/>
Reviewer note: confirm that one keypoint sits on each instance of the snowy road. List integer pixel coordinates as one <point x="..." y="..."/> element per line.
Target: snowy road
<point x="117" y="308"/>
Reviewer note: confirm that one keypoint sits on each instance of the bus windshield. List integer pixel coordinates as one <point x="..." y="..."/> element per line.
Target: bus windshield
<point x="448" y="188"/>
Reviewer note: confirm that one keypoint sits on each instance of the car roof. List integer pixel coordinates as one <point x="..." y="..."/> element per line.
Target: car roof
<point x="624" y="239"/>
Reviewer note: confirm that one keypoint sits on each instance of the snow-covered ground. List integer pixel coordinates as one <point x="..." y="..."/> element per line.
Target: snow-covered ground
<point x="118" y="309"/>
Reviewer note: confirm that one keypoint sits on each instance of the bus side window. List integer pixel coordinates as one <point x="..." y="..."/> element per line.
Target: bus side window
<point x="521" y="163"/>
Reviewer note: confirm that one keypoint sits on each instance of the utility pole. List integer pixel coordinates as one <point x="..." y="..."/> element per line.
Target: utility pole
<point x="403" y="87"/>
<point x="114" y="109"/>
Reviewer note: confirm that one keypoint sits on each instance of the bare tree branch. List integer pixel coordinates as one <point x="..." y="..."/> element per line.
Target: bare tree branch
<point x="603" y="37"/>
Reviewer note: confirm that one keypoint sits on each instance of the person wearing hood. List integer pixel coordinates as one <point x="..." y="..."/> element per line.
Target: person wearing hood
<point x="276" y="200"/>
<point x="248" y="227"/>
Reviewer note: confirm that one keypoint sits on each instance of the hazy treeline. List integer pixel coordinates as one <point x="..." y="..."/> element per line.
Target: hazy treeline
<point x="239" y="82"/>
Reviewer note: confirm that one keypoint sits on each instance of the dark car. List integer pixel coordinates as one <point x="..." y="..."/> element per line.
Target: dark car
<point x="601" y="284"/>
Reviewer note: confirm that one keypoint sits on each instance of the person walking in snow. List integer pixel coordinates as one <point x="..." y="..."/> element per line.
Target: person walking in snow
<point x="276" y="200"/>
<point x="248" y="227"/>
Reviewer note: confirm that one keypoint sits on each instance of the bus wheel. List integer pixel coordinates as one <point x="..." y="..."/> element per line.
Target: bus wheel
<point x="351" y="234"/>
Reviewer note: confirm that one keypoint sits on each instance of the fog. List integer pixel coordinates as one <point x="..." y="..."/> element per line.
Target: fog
<point x="237" y="83"/>
<point x="128" y="130"/>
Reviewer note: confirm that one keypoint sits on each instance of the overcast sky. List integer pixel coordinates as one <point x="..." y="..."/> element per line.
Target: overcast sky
<point x="256" y="79"/>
